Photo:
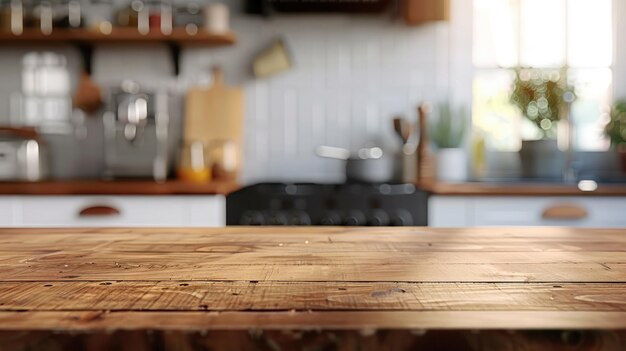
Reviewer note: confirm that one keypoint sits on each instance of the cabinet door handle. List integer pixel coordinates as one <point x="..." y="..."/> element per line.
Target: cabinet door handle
<point x="98" y="211"/>
<point x="565" y="212"/>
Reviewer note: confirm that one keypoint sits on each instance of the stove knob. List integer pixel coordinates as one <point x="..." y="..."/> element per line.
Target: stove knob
<point x="378" y="218"/>
<point x="299" y="218"/>
<point x="354" y="218"/>
<point x="401" y="218"/>
<point x="277" y="218"/>
<point x="252" y="218"/>
<point x="331" y="218"/>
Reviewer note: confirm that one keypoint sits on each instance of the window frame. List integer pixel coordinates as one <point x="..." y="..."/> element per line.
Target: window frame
<point x="460" y="48"/>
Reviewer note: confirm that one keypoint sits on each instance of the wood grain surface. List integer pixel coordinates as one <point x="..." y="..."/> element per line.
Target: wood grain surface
<point x="312" y="278"/>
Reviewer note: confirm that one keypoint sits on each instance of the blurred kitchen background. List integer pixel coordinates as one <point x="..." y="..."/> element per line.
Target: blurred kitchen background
<point x="384" y="112"/>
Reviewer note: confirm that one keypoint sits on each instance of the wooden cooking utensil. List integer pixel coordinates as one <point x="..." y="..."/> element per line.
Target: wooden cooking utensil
<point x="88" y="95"/>
<point x="425" y="161"/>
<point x="402" y="128"/>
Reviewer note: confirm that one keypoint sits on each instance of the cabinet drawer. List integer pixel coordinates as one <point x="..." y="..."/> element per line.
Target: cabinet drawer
<point x="120" y="211"/>
<point x="449" y="211"/>
<point x="550" y="211"/>
<point x="6" y="211"/>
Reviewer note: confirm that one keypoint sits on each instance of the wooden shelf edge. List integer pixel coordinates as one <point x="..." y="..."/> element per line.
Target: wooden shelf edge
<point x="125" y="187"/>
<point x="517" y="189"/>
<point x="418" y="12"/>
<point x="118" y="35"/>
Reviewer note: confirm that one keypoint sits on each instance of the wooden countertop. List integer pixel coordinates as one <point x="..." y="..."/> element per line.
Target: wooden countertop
<point x="176" y="187"/>
<point x="520" y="189"/>
<point x="312" y="278"/>
<point x="124" y="187"/>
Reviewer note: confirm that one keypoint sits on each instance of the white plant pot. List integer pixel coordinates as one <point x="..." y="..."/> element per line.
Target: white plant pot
<point x="452" y="165"/>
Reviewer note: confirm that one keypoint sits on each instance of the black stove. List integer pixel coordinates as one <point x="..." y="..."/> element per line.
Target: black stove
<point x="328" y="204"/>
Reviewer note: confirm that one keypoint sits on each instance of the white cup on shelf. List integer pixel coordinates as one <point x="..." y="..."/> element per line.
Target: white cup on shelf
<point x="452" y="165"/>
<point x="216" y="18"/>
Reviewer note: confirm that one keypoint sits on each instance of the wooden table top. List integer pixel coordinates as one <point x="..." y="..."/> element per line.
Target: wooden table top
<point x="311" y="278"/>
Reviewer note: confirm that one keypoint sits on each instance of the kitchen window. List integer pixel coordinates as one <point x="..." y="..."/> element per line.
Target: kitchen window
<point x="574" y="37"/>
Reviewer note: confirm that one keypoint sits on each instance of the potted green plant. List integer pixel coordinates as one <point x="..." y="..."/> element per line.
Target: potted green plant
<point x="540" y="95"/>
<point x="616" y="131"/>
<point x="447" y="133"/>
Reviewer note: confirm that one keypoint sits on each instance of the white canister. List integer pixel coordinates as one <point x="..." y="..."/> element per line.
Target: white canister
<point x="216" y="18"/>
<point x="452" y="165"/>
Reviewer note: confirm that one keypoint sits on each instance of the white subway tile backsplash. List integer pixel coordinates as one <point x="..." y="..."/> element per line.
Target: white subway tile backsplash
<point x="372" y="119"/>
<point x="277" y="124"/>
<point x="291" y="120"/>
<point x="147" y="64"/>
<point x="261" y="108"/>
<point x="318" y="124"/>
<point x="305" y="138"/>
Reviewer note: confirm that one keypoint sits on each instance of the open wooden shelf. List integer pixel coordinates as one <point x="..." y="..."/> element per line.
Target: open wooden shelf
<point x="118" y="187"/>
<point x="85" y="39"/>
<point x="119" y="35"/>
<point x="520" y="189"/>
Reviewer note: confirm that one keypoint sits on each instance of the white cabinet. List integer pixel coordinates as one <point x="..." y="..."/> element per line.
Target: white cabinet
<point x="476" y="211"/>
<point x="114" y="211"/>
<point x="6" y="211"/>
<point x="449" y="211"/>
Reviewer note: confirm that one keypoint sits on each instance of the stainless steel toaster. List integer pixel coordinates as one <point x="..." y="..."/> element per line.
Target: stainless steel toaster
<point x="22" y="155"/>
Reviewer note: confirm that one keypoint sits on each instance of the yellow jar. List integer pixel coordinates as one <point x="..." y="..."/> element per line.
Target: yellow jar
<point x="194" y="165"/>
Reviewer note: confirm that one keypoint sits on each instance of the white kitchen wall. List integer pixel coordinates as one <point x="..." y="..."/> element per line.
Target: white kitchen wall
<point x="351" y="76"/>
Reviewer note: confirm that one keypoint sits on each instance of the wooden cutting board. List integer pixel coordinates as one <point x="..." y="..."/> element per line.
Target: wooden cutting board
<point x="214" y="113"/>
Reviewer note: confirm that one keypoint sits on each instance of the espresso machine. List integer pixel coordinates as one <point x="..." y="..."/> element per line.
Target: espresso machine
<point x="138" y="138"/>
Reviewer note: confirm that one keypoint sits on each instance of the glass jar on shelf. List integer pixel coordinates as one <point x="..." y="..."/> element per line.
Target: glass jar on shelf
<point x="189" y="16"/>
<point x="43" y="16"/>
<point x="224" y="154"/>
<point x="128" y="16"/>
<point x="67" y="14"/>
<point x="154" y="13"/>
<point x="194" y="164"/>
<point x="216" y="18"/>
<point x="100" y="16"/>
<point x="167" y="16"/>
<point x="160" y="15"/>
<point x="143" y="16"/>
<point x="30" y="18"/>
<point x="12" y="16"/>
<point x="5" y="15"/>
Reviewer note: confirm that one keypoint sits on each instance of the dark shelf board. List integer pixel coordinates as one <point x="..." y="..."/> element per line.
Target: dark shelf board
<point x="119" y="35"/>
<point x="85" y="39"/>
<point x="118" y="187"/>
